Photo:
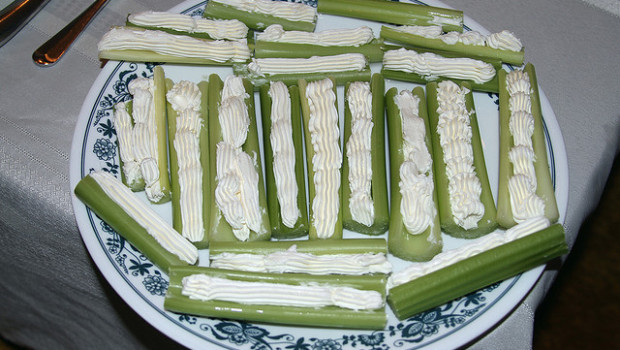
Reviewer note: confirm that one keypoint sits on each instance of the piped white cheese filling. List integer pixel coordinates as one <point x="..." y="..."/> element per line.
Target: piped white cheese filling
<point x="281" y="139"/>
<point x="123" y="125"/>
<point x="455" y="135"/>
<point x="144" y="215"/>
<point x="215" y="28"/>
<point x="504" y="40"/>
<point x="431" y="66"/>
<point x="236" y="192"/>
<point x="185" y="99"/>
<point x="315" y="64"/>
<point x="203" y="287"/>
<point x="449" y="257"/>
<point x="145" y="135"/>
<point x="359" y="146"/>
<point x="416" y="172"/>
<point x="524" y="201"/>
<point x="327" y="159"/>
<point x="288" y="10"/>
<point x="331" y="37"/>
<point x="174" y="45"/>
<point x="292" y="261"/>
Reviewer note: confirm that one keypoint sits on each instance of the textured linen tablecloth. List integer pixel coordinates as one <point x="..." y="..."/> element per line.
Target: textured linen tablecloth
<point x="52" y="295"/>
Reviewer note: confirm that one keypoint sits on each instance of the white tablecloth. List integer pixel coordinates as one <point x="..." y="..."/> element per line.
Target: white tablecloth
<point x="51" y="294"/>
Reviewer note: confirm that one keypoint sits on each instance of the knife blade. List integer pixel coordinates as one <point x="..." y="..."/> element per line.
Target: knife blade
<point x="15" y="16"/>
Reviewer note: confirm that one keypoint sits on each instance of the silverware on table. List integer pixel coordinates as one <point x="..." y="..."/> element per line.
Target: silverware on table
<point x="15" y="16"/>
<point x="51" y="51"/>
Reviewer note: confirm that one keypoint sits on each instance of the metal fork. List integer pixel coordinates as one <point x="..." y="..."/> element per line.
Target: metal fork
<point x="51" y="51"/>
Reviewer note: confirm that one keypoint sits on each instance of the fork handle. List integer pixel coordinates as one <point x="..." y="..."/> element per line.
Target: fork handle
<point x="16" y="15"/>
<point x="51" y="51"/>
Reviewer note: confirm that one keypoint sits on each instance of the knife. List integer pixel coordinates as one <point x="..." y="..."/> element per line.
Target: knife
<point x="15" y="16"/>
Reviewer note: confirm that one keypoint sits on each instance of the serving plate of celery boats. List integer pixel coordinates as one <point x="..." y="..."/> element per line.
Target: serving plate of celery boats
<point x="305" y="176"/>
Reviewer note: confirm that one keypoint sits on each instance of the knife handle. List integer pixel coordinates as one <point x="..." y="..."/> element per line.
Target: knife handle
<point x="16" y="15"/>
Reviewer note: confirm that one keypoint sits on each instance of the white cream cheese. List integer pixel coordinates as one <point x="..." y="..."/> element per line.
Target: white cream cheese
<point x="236" y="192"/>
<point x="455" y="135"/>
<point x="283" y="149"/>
<point x="142" y="213"/>
<point x="524" y="201"/>
<point x="359" y="146"/>
<point x="453" y="256"/>
<point x="315" y="64"/>
<point x="291" y="11"/>
<point x="503" y="40"/>
<point x="292" y="261"/>
<point x="327" y="159"/>
<point x="216" y="29"/>
<point x="331" y="37"/>
<point x="203" y="287"/>
<point x="185" y="99"/>
<point x="124" y="132"/>
<point x="145" y="135"/>
<point x="431" y="66"/>
<point x="163" y="43"/>
<point x="416" y="172"/>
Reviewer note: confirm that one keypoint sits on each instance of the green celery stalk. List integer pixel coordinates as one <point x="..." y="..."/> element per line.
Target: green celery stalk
<point x="94" y="197"/>
<point x="487" y="223"/>
<point x="219" y="229"/>
<point x="394" y="12"/>
<point x="254" y="20"/>
<point x="270" y="49"/>
<point x="316" y="247"/>
<point x="379" y="182"/>
<point x="476" y="272"/>
<point x="139" y="184"/>
<point x="305" y="112"/>
<point x="177" y="220"/>
<point x="199" y="35"/>
<point x="339" y="77"/>
<point x="489" y="86"/>
<point x="544" y="189"/>
<point x="278" y="229"/>
<point x="150" y="56"/>
<point x="303" y="316"/>
<point x="401" y="243"/>
<point x="159" y="100"/>
<point x="484" y="53"/>
<point x="144" y="55"/>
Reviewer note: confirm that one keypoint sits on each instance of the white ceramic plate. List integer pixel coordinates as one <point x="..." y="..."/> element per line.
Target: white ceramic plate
<point x="143" y="286"/>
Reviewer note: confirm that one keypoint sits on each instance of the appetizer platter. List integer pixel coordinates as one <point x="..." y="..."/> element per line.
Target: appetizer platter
<point x="320" y="179"/>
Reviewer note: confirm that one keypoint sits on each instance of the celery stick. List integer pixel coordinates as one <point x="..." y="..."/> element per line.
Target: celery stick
<point x="254" y="20"/>
<point x="177" y="220"/>
<point x="136" y="185"/>
<point x="269" y="49"/>
<point x="150" y="56"/>
<point x="94" y="197"/>
<point x="305" y="111"/>
<point x="476" y="272"/>
<point x="394" y="12"/>
<point x="316" y="247"/>
<point x="484" y="53"/>
<point x="196" y="34"/>
<point x="544" y="184"/>
<point x="487" y="222"/>
<point x="220" y="229"/>
<point x="401" y="243"/>
<point x="303" y="316"/>
<point x="159" y="101"/>
<point x="339" y="77"/>
<point x="278" y="228"/>
<point x="378" y="182"/>
<point x="489" y="86"/>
